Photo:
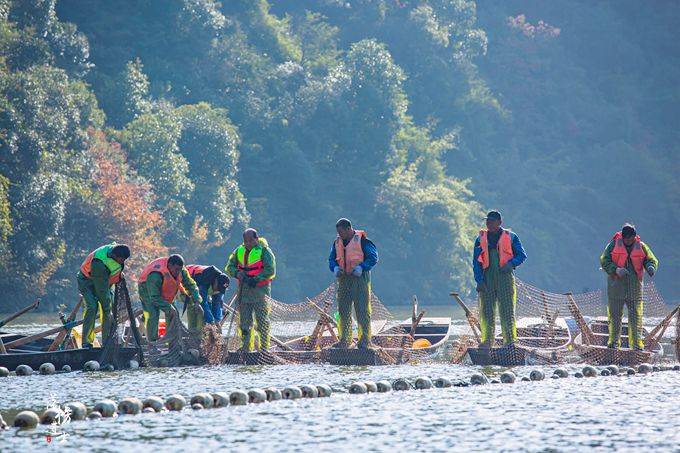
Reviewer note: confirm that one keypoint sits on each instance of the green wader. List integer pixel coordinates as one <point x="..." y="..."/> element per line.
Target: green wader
<point x="355" y="290"/>
<point x="254" y="309"/>
<point x="502" y="293"/>
<point x="92" y="305"/>
<point x="625" y="291"/>
<point x="152" y="312"/>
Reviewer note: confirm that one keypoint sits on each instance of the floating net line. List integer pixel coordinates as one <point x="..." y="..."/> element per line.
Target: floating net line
<point x="569" y="328"/>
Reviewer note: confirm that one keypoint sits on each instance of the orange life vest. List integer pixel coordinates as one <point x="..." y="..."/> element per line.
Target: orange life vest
<point x="195" y="269"/>
<point x="101" y="254"/>
<point x="351" y="255"/>
<point x="637" y="254"/>
<point x="504" y="248"/>
<point x="170" y="284"/>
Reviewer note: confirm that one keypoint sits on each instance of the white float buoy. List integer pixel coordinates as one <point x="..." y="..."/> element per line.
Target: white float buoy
<point x="536" y="375"/>
<point x="644" y="368"/>
<point x="205" y="399"/>
<point x="91" y="365"/>
<point x="508" y="377"/>
<point x="24" y="370"/>
<point x="238" y="398"/>
<point x="561" y="372"/>
<point x="371" y="387"/>
<point x="324" y="390"/>
<point x="130" y="406"/>
<point x="478" y="379"/>
<point x="220" y="399"/>
<point x="401" y="385"/>
<point x="94" y="415"/>
<point x="105" y="407"/>
<point x="257" y="396"/>
<point x="589" y="371"/>
<point x="358" y="388"/>
<point x="154" y="402"/>
<point x="52" y="415"/>
<point x="175" y="402"/>
<point x="383" y="386"/>
<point x="26" y="420"/>
<point x="442" y="383"/>
<point x="309" y="391"/>
<point x="197" y="406"/>
<point x="273" y="394"/>
<point x="47" y="368"/>
<point x="291" y="393"/>
<point x="4" y="372"/>
<point x="133" y="364"/>
<point x="78" y="410"/>
<point x="66" y="368"/>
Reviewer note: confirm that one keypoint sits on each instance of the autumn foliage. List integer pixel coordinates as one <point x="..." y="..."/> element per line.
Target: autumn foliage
<point x="127" y="215"/>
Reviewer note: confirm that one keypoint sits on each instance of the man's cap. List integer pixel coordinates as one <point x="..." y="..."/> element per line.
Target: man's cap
<point x="628" y="231"/>
<point x="493" y="215"/>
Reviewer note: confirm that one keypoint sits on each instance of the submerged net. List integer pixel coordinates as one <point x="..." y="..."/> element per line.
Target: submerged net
<point x="304" y="332"/>
<point x="569" y="328"/>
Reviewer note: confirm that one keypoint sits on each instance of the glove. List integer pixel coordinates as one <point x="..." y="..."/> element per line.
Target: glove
<point x="621" y="271"/>
<point x="240" y="275"/>
<point x="481" y="287"/>
<point x="651" y="271"/>
<point x="250" y="281"/>
<point x="337" y="271"/>
<point x="357" y="271"/>
<point x="507" y="267"/>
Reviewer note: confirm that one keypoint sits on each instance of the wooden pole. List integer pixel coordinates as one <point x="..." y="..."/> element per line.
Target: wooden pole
<point x="22" y="341"/>
<point x="474" y="323"/>
<point x="586" y="333"/>
<point x="57" y="341"/>
<point x="19" y="313"/>
<point x="653" y="338"/>
<point x="2" y="347"/>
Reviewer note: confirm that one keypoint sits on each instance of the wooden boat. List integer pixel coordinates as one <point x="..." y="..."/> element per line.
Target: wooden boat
<point x="537" y="343"/>
<point x="35" y="354"/>
<point x="595" y="350"/>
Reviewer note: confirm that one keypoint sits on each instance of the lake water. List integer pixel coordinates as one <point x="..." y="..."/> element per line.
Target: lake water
<point x="636" y="413"/>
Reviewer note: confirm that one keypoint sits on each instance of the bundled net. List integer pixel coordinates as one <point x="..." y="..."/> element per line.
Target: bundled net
<point x="304" y="332"/>
<point x="115" y="348"/>
<point x="565" y="328"/>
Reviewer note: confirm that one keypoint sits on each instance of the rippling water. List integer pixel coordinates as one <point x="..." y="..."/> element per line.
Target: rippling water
<point x="623" y="413"/>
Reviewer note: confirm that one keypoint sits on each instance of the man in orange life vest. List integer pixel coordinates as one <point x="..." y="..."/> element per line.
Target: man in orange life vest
<point x="625" y="260"/>
<point x="254" y="266"/>
<point x="212" y="284"/>
<point x="496" y="254"/>
<point x="99" y="272"/>
<point x="352" y="257"/>
<point x="159" y="283"/>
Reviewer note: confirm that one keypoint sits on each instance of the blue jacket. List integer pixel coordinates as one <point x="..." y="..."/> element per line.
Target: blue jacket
<point x="370" y="255"/>
<point x="212" y="311"/>
<point x="517" y="250"/>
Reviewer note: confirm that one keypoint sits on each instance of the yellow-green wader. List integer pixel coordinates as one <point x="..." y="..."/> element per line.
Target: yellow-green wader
<point x="195" y="317"/>
<point x="501" y="296"/>
<point x="152" y="312"/>
<point x="92" y="304"/>
<point x="356" y="290"/>
<point x="254" y="312"/>
<point x="626" y="290"/>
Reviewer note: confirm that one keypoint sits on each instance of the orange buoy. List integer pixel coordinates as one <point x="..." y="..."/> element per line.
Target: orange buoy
<point x="421" y="343"/>
<point x="161" y="328"/>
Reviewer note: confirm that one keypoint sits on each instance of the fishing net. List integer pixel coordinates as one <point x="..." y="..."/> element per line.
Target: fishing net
<point x="122" y="309"/>
<point x="178" y="346"/>
<point x="304" y="332"/>
<point x="564" y="328"/>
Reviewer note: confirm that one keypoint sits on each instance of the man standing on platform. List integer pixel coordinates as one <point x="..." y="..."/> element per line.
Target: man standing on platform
<point x="352" y="257"/>
<point x="254" y="266"/>
<point x="99" y="272"/>
<point x="496" y="254"/>
<point x="625" y="260"/>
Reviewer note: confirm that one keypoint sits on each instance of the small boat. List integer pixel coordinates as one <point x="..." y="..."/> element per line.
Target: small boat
<point x="598" y="353"/>
<point x="35" y="354"/>
<point x="537" y="343"/>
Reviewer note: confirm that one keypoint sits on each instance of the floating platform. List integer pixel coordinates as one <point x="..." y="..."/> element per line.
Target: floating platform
<point x="357" y="357"/>
<point x="75" y="358"/>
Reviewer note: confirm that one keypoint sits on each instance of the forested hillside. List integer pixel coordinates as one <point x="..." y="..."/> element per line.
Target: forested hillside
<point x="171" y="125"/>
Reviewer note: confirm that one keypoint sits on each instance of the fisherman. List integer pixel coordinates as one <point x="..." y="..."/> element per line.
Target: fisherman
<point x="212" y="284"/>
<point x="159" y="283"/>
<point x="254" y="266"/>
<point x="498" y="251"/>
<point x="352" y="257"/>
<point x="625" y="260"/>
<point x="101" y="270"/>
